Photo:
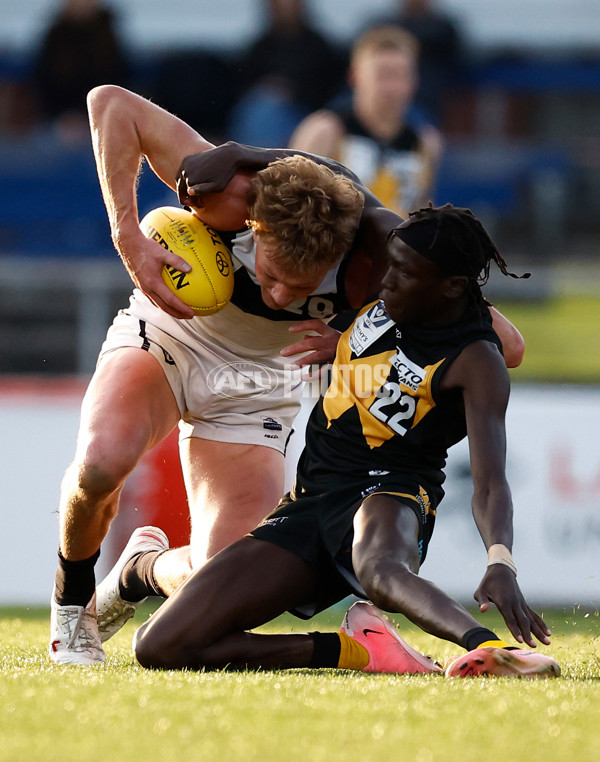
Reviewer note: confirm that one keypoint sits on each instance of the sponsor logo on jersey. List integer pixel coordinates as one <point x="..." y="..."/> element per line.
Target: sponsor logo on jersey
<point x="368" y="328"/>
<point x="409" y="373"/>
<point x="272" y="424"/>
<point x="366" y="492"/>
<point x="273" y="522"/>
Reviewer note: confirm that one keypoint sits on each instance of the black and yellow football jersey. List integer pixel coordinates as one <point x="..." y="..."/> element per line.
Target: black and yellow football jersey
<point x="383" y="410"/>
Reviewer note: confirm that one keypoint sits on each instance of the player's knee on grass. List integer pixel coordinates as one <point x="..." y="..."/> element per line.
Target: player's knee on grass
<point x="153" y="652"/>
<point x="144" y="650"/>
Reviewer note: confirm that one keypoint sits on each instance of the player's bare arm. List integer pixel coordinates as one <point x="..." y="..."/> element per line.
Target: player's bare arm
<point x="513" y="343"/>
<point x="481" y="374"/>
<point x="210" y="172"/>
<point x="126" y="128"/>
<point x="202" y="173"/>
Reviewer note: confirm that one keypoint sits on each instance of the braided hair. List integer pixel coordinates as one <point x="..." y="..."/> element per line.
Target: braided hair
<point x="456" y="241"/>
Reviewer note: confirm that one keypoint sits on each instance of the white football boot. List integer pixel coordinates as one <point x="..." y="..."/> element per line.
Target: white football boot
<point x="113" y="611"/>
<point x="74" y="636"/>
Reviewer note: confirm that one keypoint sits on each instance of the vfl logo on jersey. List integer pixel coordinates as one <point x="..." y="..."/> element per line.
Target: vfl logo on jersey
<point x="409" y="373"/>
<point x="368" y="328"/>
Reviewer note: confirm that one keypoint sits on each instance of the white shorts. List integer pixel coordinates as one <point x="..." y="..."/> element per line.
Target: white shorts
<point x="221" y="396"/>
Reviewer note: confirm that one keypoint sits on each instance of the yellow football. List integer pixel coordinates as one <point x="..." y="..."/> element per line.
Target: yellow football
<point x="209" y="285"/>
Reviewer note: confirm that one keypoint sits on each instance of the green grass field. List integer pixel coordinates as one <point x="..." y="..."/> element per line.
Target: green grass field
<point x="562" y="339"/>
<point x="119" y="711"/>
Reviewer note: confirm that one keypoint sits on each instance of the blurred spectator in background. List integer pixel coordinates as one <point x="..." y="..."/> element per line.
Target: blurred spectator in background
<point x="441" y="53"/>
<point x="198" y="86"/>
<point x="79" y="50"/>
<point x="290" y="70"/>
<point x="370" y="133"/>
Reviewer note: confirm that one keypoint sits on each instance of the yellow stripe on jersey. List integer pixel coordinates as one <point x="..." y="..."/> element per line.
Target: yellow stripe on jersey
<point x="356" y="382"/>
<point x="365" y="375"/>
<point x="425" y="402"/>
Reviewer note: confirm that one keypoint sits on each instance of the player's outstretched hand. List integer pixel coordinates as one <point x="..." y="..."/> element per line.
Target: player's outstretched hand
<point x="144" y="260"/>
<point x="499" y="586"/>
<point x="211" y="171"/>
<point x="320" y="341"/>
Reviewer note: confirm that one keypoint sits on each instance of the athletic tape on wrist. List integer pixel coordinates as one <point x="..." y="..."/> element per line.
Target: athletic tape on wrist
<point x="500" y="554"/>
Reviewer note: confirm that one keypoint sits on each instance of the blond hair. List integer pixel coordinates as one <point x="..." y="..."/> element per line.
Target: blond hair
<point x="310" y="213"/>
<point x="386" y="38"/>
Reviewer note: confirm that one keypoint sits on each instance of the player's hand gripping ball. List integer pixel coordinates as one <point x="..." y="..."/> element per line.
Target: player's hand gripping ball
<point x="208" y="287"/>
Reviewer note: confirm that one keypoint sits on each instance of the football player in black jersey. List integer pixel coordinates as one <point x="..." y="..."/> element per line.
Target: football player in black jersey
<point x="153" y="370"/>
<point x="369" y="481"/>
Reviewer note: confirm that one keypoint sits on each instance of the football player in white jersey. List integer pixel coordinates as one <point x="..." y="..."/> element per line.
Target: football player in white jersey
<point x="311" y="243"/>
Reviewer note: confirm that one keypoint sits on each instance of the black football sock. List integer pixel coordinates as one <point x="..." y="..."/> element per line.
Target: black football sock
<point x="327" y="648"/>
<point x="480" y="635"/>
<point x="75" y="581"/>
<point x="137" y="578"/>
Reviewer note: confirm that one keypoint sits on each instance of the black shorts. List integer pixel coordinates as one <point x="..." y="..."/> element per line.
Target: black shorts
<point x="318" y="528"/>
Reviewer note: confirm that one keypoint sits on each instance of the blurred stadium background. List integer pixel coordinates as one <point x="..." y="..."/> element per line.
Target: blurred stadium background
<point x="523" y="151"/>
